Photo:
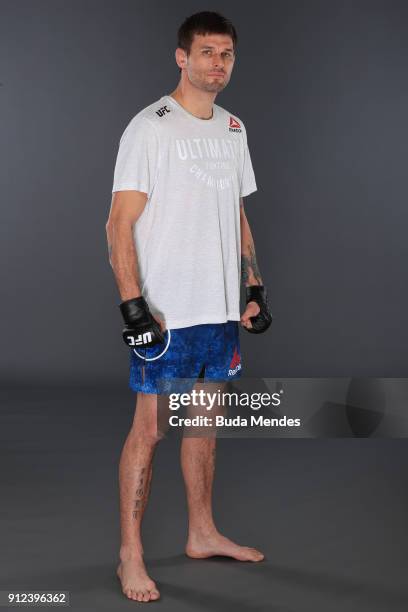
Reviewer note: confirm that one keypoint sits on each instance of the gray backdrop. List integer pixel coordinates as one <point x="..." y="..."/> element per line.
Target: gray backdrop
<point x="322" y="89"/>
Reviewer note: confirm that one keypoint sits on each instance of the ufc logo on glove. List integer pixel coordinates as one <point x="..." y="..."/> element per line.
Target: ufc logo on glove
<point x="140" y="339"/>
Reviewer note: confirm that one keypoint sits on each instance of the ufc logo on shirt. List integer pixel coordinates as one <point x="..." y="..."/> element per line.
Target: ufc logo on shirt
<point x="140" y="339"/>
<point x="162" y="111"/>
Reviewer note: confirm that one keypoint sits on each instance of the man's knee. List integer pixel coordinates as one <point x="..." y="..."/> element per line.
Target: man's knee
<point x="145" y="429"/>
<point x="144" y="437"/>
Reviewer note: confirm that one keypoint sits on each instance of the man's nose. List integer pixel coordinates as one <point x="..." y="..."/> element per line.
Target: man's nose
<point x="218" y="62"/>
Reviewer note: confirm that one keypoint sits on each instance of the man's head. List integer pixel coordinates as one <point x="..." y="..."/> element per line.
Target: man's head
<point x="206" y="50"/>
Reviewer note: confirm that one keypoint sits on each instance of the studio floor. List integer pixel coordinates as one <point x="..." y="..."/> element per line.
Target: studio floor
<point x="329" y="514"/>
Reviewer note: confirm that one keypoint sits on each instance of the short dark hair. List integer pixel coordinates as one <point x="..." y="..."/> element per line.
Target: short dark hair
<point x="206" y="22"/>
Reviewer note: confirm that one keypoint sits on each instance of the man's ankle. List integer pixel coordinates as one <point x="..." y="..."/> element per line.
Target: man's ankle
<point x="200" y="530"/>
<point x="127" y="553"/>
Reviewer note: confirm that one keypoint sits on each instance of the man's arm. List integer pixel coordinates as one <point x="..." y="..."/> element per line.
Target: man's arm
<point x="126" y="208"/>
<point x="250" y="274"/>
<point x="257" y="317"/>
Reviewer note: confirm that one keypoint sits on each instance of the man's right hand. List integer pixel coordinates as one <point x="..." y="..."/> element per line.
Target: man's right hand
<point x="142" y="329"/>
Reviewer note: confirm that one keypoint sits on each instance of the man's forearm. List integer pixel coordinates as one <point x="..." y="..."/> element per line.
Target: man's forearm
<point x="250" y="274"/>
<point x="123" y="258"/>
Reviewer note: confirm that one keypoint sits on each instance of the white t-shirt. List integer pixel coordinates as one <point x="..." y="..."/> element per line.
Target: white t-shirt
<point x="188" y="237"/>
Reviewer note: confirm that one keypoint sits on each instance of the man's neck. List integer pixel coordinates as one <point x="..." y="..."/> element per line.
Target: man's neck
<point x="196" y="102"/>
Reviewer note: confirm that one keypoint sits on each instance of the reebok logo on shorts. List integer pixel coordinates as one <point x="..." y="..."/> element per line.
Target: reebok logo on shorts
<point x="235" y="364"/>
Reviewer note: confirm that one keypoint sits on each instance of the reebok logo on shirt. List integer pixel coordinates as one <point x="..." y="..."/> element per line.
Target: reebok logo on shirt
<point x="234" y="126"/>
<point x="162" y="111"/>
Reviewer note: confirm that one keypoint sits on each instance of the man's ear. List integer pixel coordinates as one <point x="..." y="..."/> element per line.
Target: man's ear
<point x="181" y="57"/>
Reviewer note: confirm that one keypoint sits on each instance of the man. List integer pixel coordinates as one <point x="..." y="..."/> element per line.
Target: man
<point x="179" y="243"/>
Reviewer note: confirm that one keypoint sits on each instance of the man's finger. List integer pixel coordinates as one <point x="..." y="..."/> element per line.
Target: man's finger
<point x="161" y="323"/>
<point x="245" y="321"/>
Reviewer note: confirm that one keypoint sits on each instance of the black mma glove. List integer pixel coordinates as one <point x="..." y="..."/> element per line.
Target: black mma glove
<point x="141" y="328"/>
<point x="260" y="323"/>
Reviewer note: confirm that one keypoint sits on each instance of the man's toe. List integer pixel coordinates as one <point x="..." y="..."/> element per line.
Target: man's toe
<point x="146" y="595"/>
<point x="258" y="555"/>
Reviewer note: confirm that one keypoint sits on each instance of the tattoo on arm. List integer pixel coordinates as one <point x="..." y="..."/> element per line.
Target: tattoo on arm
<point x="110" y="252"/>
<point x="249" y="266"/>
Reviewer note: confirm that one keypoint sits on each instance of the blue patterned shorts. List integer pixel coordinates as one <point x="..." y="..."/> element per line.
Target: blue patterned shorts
<point x="210" y="351"/>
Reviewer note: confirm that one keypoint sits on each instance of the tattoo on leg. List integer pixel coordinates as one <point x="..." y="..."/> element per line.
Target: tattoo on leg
<point x="139" y="501"/>
<point x="147" y="488"/>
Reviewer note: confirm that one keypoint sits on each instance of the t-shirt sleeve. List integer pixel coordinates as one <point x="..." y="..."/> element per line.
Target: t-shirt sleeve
<point x="248" y="183"/>
<point x="138" y="157"/>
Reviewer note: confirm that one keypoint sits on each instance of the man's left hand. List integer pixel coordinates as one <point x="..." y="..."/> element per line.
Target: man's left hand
<point x="252" y="309"/>
<point x="257" y="316"/>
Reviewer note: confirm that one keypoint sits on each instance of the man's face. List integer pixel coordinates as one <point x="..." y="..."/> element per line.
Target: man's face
<point x="210" y="62"/>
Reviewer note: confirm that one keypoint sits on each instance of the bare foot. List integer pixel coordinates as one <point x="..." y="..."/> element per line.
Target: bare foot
<point x="135" y="581"/>
<point x="202" y="547"/>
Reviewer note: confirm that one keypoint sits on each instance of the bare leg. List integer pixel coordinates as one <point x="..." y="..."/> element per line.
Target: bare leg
<point x="198" y="466"/>
<point x="135" y="473"/>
